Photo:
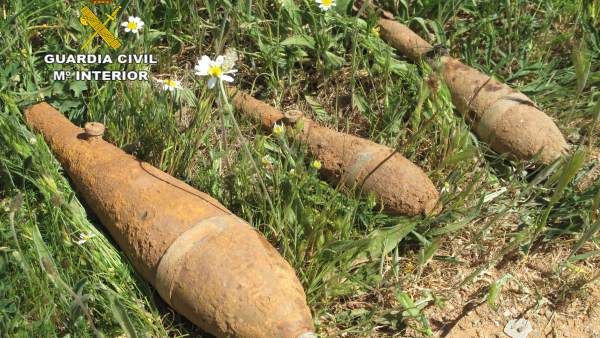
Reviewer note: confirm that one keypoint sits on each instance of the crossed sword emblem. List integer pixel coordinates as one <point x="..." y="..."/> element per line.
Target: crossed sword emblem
<point x="89" y="18"/>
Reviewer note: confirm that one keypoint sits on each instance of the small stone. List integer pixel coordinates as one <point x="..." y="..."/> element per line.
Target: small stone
<point x="574" y="136"/>
<point x="518" y="328"/>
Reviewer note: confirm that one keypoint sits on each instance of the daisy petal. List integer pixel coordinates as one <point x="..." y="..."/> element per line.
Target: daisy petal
<point x="220" y="59"/>
<point x="212" y="82"/>
<point x="202" y="66"/>
<point x="204" y="61"/>
<point x="226" y="78"/>
<point x="201" y="70"/>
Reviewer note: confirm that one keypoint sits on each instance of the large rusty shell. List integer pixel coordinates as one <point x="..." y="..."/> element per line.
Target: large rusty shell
<point x="400" y="185"/>
<point x="208" y="264"/>
<point x="502" y="117"/>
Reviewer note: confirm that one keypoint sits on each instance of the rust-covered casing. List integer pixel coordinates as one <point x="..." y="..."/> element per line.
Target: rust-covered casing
<point x="401" y="186"/>
<point x="208" y="264"/>
<point x="503" y="117"/>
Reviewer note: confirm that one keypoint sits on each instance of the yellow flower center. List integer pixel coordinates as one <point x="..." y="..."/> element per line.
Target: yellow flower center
<point x="215" y="71"/>
<point x="170" y="83"/>
<point x="132" y="25"/>
<point x="327" y="2"/>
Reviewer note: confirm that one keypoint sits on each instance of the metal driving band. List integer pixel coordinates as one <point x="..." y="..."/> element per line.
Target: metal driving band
<point x="362" y="159"/>
<point x="172" y="261"/>
<point x="496" y="111"/>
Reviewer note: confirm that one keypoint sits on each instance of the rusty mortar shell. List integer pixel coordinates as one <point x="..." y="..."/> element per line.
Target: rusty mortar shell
<point x="503" y="117"/>
<point x="208" y="264"/>
<point x="400" y="185"/>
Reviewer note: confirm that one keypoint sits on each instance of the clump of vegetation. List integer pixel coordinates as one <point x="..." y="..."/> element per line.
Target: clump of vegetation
<point x="365" y="272"/>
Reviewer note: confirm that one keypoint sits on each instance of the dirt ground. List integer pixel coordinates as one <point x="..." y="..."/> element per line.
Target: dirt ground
<point x="532" y="294"/>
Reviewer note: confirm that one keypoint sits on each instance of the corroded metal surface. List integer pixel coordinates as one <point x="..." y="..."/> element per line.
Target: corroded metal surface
<point x="501" y="116"/>
<point x="211" y="266"/>
<point x="402" y="187"/>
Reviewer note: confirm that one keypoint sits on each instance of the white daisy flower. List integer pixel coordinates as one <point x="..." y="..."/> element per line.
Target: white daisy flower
<point x="133" y="25"/>
<point x="216" y="69"/>
<point x="170" y="85"/>
<point x="326" y="5"/>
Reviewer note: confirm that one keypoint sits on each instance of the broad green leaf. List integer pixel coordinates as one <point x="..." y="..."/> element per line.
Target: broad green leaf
<point x="78" y="87"/>
<point x="299" y="40"/>
<point x="495" y="289"/>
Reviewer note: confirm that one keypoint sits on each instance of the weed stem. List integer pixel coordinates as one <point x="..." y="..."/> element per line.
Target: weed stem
<point x="225" y="102"/>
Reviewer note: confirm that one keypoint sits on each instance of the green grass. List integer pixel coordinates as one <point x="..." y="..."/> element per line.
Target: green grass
<point x="332" y="66"/>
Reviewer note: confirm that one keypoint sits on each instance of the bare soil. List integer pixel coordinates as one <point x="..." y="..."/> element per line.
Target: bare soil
<point x="552" y="298"/>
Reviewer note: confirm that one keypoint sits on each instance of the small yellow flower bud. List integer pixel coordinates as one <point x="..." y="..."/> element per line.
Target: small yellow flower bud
<point x="375" y="31"/>
<point x="278" y="130"/>
<point x="316" y="164"/>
